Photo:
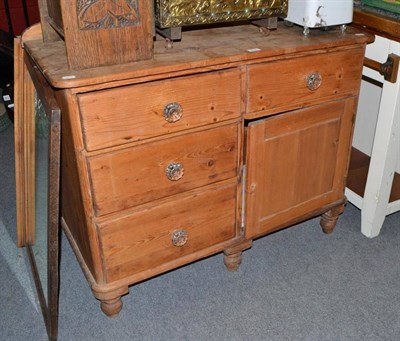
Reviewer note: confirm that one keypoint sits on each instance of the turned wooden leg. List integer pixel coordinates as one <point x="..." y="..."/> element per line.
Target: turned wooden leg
<point x="110" y="299"/>
<point x="233" y="255"/>
<point x="233" y="261"/>
<point x="329" y="219"/>
<point x="111" y="307"/>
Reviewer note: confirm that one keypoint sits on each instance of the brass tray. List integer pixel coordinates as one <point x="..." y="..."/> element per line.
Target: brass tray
<point x="175" y="13"/>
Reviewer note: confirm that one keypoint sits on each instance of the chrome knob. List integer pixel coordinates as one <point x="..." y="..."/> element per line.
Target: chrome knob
<point x="174" y="171"/>
<point x="173" y="112"/>
<point x="313" y="81"/>
<point x="179" y="238"/>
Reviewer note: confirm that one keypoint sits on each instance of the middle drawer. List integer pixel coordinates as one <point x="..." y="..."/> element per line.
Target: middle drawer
<point x="151" y="171"/>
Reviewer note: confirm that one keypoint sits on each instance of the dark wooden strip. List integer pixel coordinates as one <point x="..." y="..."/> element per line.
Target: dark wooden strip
<point x="377" y="24"/>
<point x="358" y="173"/>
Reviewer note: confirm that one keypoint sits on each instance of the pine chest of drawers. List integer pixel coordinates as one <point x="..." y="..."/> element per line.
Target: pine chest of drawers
<point x="224" y="138"/>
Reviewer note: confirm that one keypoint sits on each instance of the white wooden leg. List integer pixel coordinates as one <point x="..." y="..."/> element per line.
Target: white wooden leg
<point x="383" y="161"/>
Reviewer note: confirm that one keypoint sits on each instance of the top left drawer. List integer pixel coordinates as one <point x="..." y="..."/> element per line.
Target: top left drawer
<point x="132" y="113"/>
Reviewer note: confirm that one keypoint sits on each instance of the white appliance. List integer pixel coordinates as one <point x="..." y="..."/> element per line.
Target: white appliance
<point x="320" y="13"/>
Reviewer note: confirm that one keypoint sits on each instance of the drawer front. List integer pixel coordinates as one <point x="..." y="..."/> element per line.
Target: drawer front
<point x="296" y="82"/>
<point x="164" y="233"/>
<point x="133" y="176"/>
<point x="132" y="113"/>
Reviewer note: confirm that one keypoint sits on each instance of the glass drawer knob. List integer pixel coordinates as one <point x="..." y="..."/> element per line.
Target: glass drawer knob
<point x="179" y="238"/>
<point x="173" y="112"/>
<point x="314" y="81"/>
<point x="174" y="171"/>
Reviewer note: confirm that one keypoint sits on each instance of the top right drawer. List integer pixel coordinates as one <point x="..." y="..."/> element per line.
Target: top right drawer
<point x="287" y="84"/>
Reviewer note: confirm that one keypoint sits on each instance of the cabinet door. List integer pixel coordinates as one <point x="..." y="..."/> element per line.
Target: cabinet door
<point x="296" y="163"/>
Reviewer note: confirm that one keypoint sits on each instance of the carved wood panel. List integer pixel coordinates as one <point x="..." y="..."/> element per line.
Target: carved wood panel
<point x="103" y="14"/>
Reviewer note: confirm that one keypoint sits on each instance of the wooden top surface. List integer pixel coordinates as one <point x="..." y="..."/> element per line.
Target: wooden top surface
<point x="377" y="23"/>
<point x="199" y="49"/>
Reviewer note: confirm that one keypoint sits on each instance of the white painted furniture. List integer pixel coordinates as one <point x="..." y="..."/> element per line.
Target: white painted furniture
<point x="382" y="144"/>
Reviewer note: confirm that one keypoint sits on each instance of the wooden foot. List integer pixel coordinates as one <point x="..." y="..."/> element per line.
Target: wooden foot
<point x="329" y="219"/>
<point x="111" y="303"/>
<point x="111" y="307"/>
<point x="232" y="262"/>
<point x="233" y="255"/>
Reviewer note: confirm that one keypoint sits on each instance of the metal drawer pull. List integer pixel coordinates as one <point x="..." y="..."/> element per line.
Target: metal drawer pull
<point x="179" y="238"/>
<point x="314" y="81"/>
<point x="174" y="171"/>
<point x="173" y="112"/>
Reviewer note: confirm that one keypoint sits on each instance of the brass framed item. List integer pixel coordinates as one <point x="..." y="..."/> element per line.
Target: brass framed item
<point x="174" y="13"/>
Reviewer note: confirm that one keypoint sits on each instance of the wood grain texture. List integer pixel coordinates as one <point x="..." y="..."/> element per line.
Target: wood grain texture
<point x="18" y="144"/>
<point x="106" y="44"/>
<point x="137" y="175"/>
<point x="141" y="240"/>
<point x="206" y="49"/>
<point x="122" y="115"/>
<point x="76" y="203"/>
<point x="24" y="130"/>
<point x="311" y="174"/>
<point x="376" y="23"/>
<point x="329" y="219"/>
<point x="233" y="254"/>
<point x="121" y="209"/>
<point x="53" y="11"/>
<point x="50" y="12"/>
<point x="286" y="86"/>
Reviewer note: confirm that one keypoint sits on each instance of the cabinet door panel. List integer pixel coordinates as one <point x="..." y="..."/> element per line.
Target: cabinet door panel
<point x="296" y="162"/>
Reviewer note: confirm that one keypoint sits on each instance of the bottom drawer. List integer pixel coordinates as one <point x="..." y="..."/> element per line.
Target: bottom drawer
<point x="163" y="233"/>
